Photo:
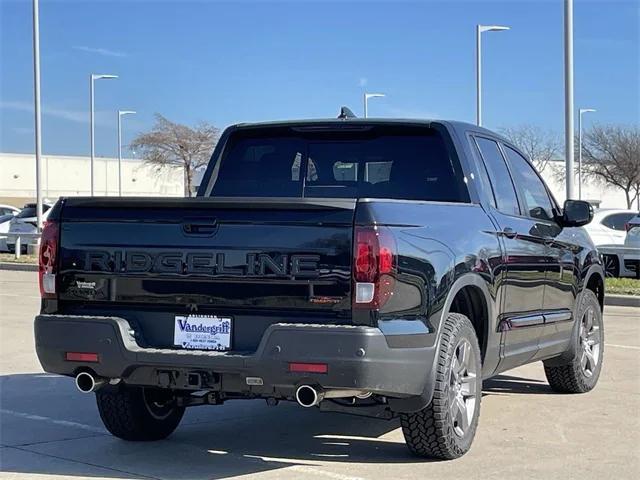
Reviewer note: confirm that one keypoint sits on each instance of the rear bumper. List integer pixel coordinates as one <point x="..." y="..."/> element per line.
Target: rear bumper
<point x="358" y="358"/>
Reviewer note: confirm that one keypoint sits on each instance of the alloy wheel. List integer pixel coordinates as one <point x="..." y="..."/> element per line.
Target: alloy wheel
<point x="590" y="340"/>
<point x="462" y="387"/>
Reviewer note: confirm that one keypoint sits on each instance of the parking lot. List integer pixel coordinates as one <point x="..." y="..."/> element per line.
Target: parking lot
<point x="48" y="429"/>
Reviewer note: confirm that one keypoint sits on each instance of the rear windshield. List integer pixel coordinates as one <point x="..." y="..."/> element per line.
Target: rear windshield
<point x="375" y="162"/>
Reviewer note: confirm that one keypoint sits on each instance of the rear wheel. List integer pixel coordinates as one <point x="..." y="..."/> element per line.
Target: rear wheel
<point x="137" y="413"/>
<point x="611" y="266"/>
<point x="582" y="372"/>
<point x="446" y="427"/>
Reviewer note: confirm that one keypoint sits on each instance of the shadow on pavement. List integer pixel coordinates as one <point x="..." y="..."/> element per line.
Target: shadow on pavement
<point x="503" y="384"/>
<point x="47" y="427"/>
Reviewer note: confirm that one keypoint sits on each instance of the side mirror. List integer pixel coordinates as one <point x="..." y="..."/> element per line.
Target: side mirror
<point x="576" y="213"/>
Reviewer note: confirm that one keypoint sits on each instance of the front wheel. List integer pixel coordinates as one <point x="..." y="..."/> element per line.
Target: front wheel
<point x="445" y="428"/>
<point x="581" y="373"/>
<point x="137" y="413"/>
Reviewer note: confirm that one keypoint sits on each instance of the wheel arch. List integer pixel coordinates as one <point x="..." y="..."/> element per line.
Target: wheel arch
<point x="594" y="281"/>
<point x="467" y="291"/>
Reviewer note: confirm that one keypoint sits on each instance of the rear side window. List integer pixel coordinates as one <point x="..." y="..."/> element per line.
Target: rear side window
<point x="376" y="162"/>
<point x="503" y="189"/>
<point x="617" y="221"/>
<point x="536" y="199"/>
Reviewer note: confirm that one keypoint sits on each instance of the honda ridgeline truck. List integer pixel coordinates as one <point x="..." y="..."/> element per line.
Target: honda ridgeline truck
<point x="374" y="267"/>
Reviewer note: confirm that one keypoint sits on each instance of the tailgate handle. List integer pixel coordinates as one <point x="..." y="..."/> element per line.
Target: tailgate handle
<point x="200" y="227"/>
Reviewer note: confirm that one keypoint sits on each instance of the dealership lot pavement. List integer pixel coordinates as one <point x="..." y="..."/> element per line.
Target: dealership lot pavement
<point x="47" y="429"/>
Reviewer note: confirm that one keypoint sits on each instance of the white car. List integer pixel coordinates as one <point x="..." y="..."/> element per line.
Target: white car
<point x="8" y="210"/>
<point x="608" y="230"/>
<point x="26" y="222"/>
<point x="608" y="226"/>
<point x="4" y="229"/>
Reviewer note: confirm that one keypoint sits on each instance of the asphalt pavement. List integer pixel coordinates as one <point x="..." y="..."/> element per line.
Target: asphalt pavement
<point x="49" y="430"/>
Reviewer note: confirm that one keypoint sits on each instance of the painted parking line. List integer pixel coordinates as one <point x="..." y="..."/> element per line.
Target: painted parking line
<point x="15" y="295"/>
<point x="53" y="421"/>
<point x="630" y="347"/>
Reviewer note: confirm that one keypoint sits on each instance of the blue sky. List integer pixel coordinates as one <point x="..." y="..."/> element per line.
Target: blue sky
<point x="227" y="62"/>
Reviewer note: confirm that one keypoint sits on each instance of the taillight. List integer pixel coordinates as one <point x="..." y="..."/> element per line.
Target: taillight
<point x="374" y="266"/>
<point x="48" y="259"/>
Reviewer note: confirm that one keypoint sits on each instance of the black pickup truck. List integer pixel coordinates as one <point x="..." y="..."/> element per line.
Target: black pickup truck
<point x="380" y="268"/>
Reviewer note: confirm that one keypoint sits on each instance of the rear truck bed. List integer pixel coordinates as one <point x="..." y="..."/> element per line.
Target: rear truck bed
<point x="273" y="276"/>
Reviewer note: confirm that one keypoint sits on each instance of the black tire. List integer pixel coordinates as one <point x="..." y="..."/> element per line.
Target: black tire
<point x="433" y="432"/>
<point x="138" y="414"/>
<point x="611" y="266"/>
<point x="573" y="376"/>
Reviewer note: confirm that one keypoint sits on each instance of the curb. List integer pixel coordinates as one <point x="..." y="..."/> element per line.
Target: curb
<point x="19" y="267"/>
<point x="622" y="300"/>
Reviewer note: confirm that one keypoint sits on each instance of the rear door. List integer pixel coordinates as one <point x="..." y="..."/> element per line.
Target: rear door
<point x="526" y="262"/>
<point x="562" y="278"/>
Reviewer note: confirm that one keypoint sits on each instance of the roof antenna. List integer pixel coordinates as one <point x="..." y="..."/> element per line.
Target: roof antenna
<point x="346" y="113"/>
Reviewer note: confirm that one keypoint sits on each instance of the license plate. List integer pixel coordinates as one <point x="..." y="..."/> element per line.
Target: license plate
<point x="202" y="332"/>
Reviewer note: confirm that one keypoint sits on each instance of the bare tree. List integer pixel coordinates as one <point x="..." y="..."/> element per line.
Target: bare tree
<point x="539" y="145"/>
<point x="612" y="155"/>
<point x="173" y="145"/>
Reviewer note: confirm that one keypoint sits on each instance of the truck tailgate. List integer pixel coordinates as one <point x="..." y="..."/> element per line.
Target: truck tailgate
<point x="256" y="261"/>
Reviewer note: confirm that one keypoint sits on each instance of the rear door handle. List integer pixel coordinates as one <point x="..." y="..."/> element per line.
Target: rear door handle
<point x="508" y="232"/>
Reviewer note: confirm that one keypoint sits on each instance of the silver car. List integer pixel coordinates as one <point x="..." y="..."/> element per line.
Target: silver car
<point x="26" y="222"/>
<point x="632" y="246"/>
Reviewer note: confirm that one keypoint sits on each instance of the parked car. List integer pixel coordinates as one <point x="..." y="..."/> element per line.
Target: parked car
<point x="4" y="229"/>
<point x="608" y="230"/>
<point x="8" y="210"/>
<point x="632" y="246"/>
<point x="608" y="226"/>
<point x="374" y="267"/>
<point x="26" y="222"/>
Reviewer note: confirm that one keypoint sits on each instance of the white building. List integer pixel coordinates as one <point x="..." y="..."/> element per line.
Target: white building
<point x="70" y="176"/>
<point x="602" y="195"/>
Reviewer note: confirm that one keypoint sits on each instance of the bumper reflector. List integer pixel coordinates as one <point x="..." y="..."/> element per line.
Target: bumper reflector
<point x="308" y="367"/>
<point x="82" y="357"/>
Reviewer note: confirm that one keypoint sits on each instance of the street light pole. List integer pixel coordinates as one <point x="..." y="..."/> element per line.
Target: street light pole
<point x="37" y="110"/>
<point x="580" y="112"/>
<point x="479" y="30"/>
<point x="568" y="96"/>
<point x="92" y="78"/>
<point x="366" y="98"/>
<point x="120" y="114"/>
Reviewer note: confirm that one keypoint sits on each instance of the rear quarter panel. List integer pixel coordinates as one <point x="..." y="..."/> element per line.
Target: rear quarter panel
<point x="440" y="246"/>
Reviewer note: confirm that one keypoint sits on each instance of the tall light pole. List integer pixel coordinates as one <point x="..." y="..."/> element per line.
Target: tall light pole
<point x="92" y="78"/>
<point x="37" y="110"/>
<point x="479" y="30"/>
<point x="580" y="112"/>
<point x="568" y="96"/>
<point x="121" y="113"/>
<point x="366" y="98"/>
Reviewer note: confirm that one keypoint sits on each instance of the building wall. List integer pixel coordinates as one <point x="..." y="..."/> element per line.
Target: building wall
<point x="70" y="176"/>
<point x="607" y="196"/>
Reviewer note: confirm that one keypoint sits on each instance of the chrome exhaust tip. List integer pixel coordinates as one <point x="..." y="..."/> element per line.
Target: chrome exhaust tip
<point x="307" y="396"/>
<point x="87" y="383"/>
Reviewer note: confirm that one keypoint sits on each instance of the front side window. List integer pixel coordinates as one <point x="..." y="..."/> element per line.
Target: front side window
<point x="503" y="189"/>
<point x="536" y="199"/>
